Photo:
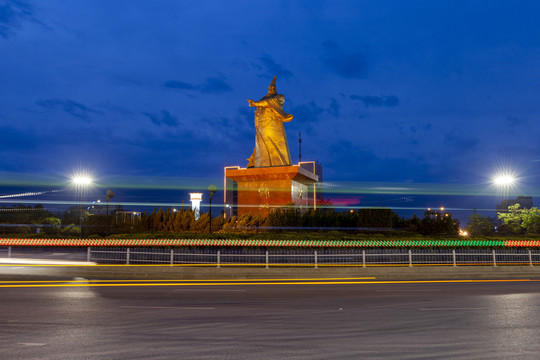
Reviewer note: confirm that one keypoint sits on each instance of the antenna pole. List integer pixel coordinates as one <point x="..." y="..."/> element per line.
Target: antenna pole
<point x="299" y="147"/>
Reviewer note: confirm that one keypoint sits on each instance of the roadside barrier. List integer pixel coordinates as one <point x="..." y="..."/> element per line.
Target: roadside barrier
<point x="260" y="257"/>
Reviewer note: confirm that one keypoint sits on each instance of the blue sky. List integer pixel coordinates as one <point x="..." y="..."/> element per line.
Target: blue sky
<point x="383" y="91"/>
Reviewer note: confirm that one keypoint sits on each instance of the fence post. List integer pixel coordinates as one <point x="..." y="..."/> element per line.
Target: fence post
<point x="88" y="254"/>
<point x="172" y="256"/>
<point x="363" y="257"/>
<point x="316" y="260"/>
<point x="454" y="257"/>
<point x="494" y="258"/>
<point x="267" y="259"/>
<point x="9" y="252"/>
<point x="410" y="258"/>
<point x="218" y="258"/>
<point x="127" y="256"/>
<point x="530" y="258"/>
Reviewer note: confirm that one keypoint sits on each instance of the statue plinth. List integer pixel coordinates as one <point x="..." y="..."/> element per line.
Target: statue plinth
<point x="257" y="191"/>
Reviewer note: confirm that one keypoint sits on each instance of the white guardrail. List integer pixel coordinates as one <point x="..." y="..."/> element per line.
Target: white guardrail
<point x="314" y="258"/>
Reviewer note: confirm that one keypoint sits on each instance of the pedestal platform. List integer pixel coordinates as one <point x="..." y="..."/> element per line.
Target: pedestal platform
<point x="256" y="191"/>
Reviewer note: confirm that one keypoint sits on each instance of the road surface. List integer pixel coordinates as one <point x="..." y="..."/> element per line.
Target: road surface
<point x="280" y="319"/>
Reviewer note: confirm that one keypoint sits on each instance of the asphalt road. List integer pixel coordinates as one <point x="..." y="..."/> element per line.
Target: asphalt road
<point x="109" y="319"/>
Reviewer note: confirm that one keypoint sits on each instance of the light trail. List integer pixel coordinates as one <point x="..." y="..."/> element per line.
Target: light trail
<point x="29" y="194"/>
<point x="246" y="283"/>
<point x="182" y="280"/>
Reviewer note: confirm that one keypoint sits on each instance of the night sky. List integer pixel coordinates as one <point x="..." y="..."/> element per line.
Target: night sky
<point x="404" y="92"/>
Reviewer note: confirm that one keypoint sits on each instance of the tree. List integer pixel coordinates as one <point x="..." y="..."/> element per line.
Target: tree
<point x="51" y="225"/>
<point x="479" y="225"/>
<point x="25" y="219"/>
<point x="437" y="223"/>
<point x="518" y="221"/>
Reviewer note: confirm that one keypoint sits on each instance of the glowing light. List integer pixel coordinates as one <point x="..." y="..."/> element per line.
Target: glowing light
<point x="271" y="243"/>
<point x="463" y="233"/>
<point x="504" y="180"/>
<point x="82" y="180"/>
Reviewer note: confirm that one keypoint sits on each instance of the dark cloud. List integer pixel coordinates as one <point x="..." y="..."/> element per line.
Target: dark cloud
<point x="270" y="68"/>
<point x="460" y="142"/>
<point x="334" y="107"/>
<point x="15" y="139"/>
<point x="305" y="116"/>
<point x="163" y="118"/>
<point x="107" y="105"/>
<point x="215" y="86"/>
<point x="71" y="107"/>
<point x="237" y="128"/>
<point x="178" y="153"/>
<point x="377" y="101"/>
<point x="210" y="86"/>
<point x="180" y="85"/>
<point x="350" y="65"/>
<point x="375" y="168"/>
<point x="427" y="126"/>
<point x="11" y="15"/>
<point x="418" y="127"/>
<point x="515" y="121"/>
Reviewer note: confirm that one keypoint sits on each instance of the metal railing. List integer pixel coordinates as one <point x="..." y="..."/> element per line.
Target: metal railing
<point x="5" y="251"/>
<point x="219" y="257"/>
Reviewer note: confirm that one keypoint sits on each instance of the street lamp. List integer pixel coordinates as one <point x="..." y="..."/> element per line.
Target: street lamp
<point x="504" y="181"/>
<point x="81" y="183"/>
<point x="211" y="191"/>
<point x="108" y="196"/>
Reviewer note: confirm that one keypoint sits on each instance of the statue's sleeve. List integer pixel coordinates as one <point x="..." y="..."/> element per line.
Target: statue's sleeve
<point x="261" y="103"/>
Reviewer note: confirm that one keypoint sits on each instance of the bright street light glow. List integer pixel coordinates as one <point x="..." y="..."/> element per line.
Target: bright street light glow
<point x="82" y="180"/>
<point x="504" y="180"/>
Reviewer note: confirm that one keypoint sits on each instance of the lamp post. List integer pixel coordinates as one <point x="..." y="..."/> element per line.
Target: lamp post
<point x="108" y="196"/>
<point x="81" y="182"/>
<point x="504" y="182"/>
<point x="211" y="191"/>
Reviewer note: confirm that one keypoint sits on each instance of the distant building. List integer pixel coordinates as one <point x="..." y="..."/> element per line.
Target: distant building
<point x="127" y="217"/>
<point x="196" y="199"/>
<point x="525" y="202"/>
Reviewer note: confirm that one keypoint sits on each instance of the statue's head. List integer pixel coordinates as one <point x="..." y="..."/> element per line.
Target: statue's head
<point x="272" y="88"/>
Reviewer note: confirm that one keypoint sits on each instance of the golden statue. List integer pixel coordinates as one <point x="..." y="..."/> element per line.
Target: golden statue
<point x="271" y="146"/>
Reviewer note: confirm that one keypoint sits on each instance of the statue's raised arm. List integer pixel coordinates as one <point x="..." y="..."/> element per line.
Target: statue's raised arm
<point x="257" y="103"/>
<point x="271" y="146"/>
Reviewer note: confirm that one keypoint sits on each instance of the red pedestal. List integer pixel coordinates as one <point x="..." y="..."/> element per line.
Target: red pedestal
<point x="256" y="191"/>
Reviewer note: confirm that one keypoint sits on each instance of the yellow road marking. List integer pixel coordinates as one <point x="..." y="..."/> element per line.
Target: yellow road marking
<point x="182" y="280"/>
<point x="291" y="282"/>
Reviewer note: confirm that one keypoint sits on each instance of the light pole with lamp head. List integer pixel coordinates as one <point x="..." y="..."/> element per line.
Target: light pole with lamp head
<point x="108" y="196"/>
<point x="81" y="182"/>
<point x="505" y="183"/>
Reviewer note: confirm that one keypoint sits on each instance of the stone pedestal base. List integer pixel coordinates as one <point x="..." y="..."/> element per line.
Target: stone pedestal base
<point x="256" y="191"/>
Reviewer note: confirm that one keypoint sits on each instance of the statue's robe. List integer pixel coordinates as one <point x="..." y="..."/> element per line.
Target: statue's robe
<point x="271" y="146"/>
